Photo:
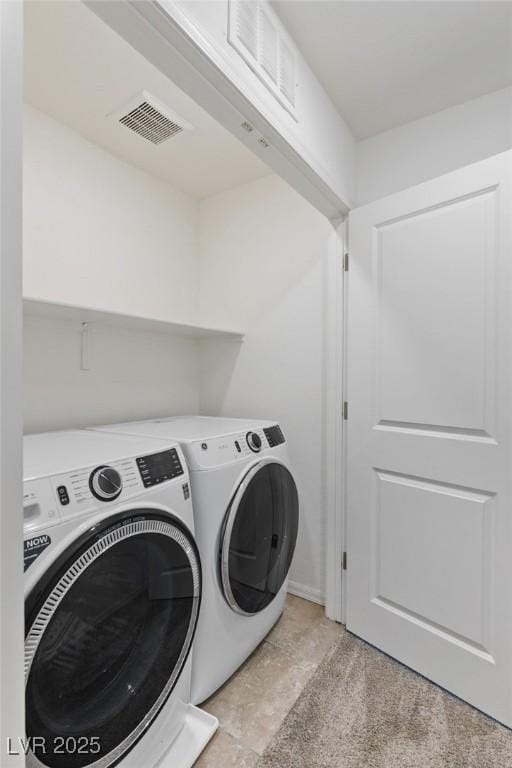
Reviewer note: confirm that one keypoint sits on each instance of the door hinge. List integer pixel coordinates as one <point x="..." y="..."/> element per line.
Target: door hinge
<point x="345" y="410"/>
<point x="345" y="261"/>
<point x="344" y="561"/>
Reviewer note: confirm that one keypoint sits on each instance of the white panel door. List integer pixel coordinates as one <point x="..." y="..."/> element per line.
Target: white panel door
<point x="429" y="431"/>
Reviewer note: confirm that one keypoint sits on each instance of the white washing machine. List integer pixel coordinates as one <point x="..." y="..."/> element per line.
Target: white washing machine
<point x="112" y="598"/>
<point x="246" y="514"/>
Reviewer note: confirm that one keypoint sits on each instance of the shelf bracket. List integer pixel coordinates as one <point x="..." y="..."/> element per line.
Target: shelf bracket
<point x="84" y="348"/>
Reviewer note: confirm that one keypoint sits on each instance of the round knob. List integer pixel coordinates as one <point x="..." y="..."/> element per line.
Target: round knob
<point x="254" y="442"/>
<point x="105" y="483"/>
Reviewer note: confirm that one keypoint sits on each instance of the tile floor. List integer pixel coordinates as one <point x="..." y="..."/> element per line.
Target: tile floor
<point x="252" y="705"/>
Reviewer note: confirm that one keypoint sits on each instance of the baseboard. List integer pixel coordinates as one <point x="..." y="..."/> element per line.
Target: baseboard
<point x="308" y="593"/>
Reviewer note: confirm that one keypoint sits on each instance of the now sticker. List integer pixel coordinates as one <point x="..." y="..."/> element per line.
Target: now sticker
<point x="32" y="548"/>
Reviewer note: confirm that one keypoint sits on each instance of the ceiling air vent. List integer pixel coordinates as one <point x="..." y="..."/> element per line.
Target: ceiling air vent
<point x="287" y="73"/>
<point x="258" y="36"/>
<point x="247" y="26"/>
<point x="150" y="119"/>
<point x="269" y="48"/>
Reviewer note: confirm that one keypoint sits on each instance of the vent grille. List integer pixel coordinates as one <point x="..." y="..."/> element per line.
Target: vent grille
<point x="269" y="47"/>
<point x="149" y="118"/>
<point x="151" y="124"/>
<point x="258" y="36"/>
<point x="287" y="73"/>
<point x="247" y="26"/>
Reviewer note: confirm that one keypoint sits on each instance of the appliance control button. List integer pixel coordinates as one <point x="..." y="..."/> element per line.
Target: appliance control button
<point x="105" y="483"/>
<point x="63" y="495"/>
<point x="254" y="441"/>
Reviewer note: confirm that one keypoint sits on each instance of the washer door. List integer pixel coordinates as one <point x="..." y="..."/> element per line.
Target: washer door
<point x="107" y="635"/>
<point x="258" y="541"/>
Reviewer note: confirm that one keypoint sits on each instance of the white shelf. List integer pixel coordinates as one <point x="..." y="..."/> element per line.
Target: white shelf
<point x="56" y="310"/>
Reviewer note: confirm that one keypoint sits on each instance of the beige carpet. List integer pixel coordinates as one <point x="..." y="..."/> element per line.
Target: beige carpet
<point x="361" y="709"/>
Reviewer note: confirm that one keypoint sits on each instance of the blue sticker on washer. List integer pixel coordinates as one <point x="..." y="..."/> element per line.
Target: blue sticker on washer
<point x="32" y="548"/>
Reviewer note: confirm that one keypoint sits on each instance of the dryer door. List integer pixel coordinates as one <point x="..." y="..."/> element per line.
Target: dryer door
<point x="259" y="536"/>
<point x="107" y="633"/>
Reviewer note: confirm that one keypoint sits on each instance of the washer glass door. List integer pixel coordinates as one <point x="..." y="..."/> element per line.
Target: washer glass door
<point x="107" y="636"/>
<point x="260" y="532"/>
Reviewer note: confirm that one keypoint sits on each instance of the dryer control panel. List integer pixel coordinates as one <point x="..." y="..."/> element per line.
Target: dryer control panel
<point x="216" y="451"/>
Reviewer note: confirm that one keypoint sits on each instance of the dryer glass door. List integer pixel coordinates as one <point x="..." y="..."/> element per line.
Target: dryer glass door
<point x="108" y="632"/>
<point x="258" y="542"/>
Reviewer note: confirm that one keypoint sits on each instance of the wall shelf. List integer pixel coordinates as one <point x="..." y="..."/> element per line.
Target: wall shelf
<point x="38" y="307"/>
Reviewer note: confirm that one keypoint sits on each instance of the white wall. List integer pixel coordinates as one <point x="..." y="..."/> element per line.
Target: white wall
<point x="133" y="375"/>
<point x="442" y="142"/>
<point x="100" y="233"/>
<point x="263" y="255"/>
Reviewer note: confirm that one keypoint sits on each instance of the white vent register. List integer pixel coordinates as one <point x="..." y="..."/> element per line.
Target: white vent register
<point x="258" y="36"/>
<point x="150" y="119"/>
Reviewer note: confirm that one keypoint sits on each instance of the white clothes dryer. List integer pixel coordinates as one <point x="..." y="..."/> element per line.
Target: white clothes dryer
<point x="112" y="598"/>
<point x="246" y="514"/>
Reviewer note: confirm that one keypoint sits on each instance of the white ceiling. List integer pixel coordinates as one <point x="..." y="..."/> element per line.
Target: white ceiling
<point x="388" y="63"/>
<point x="78" y="71"/>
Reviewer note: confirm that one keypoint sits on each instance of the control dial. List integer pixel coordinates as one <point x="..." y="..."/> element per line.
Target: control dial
<point x="105" y="483"/>
<point x="254" y="441"/>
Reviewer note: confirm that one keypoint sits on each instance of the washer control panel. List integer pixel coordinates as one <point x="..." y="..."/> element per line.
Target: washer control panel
<point x="50" y="500"/>
<point x="161" y="466"/>
<point x="213" y="452"/>
<point x="274" y="435"/>
<point x="82" y="489"/>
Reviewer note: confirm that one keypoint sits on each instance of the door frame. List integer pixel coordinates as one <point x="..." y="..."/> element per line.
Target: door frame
<point x="336" y="286"/>
<point x="12" y="687"/>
